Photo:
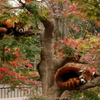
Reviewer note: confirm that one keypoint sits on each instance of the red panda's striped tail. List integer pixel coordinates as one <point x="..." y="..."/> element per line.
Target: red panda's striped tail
<point x="71" y="83"/>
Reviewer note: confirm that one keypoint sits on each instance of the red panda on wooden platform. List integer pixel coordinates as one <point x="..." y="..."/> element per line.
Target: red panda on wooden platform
<point x="9" y="27"/>
<point x="70" y="77"/>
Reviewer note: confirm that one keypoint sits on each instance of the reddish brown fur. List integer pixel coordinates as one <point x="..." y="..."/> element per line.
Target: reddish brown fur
<point x="72" y="81"/>
<point x="8" y="23"/>
<point x="3" y="29"/>
<point x="10" y="27"/>
<point x="87" y="75"/>
<point x="65" y="70"/>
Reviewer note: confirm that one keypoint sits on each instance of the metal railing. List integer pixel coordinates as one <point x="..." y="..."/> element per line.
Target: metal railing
<point x="6" y="92"/>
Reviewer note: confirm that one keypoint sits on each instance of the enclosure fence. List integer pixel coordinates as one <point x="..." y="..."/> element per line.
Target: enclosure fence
<point x="5" y="92"/>
<point x="23" y="91"/>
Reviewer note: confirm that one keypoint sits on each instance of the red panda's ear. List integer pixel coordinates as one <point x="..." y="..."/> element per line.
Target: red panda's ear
<point x="15" y="23"/>
<point x="95" y="74"/>
<point x="83" y="70"/>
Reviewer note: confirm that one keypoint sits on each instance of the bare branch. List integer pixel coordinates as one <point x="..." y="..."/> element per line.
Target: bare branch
<point x="21" y="2"/>
<point x="7" y="7"/>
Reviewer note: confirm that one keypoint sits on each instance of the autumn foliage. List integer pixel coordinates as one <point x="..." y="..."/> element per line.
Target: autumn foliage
<point x="15" y="68"/>
<point x="17" y="62"/>
<point x="88" y="49"/>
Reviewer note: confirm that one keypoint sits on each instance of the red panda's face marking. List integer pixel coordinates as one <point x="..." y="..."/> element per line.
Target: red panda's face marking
<point x="9" y="27"/>
<point x="86" y="76"/>
<point x="20" y="28"/>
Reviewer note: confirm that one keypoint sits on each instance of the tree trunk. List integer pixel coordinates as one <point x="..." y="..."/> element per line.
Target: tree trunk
<point x="48" y="65"/>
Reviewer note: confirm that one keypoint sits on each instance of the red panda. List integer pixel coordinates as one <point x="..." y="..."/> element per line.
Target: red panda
<point x="70" y="77"/>
<point x="19" y="28"/>
<point x="10" y="27"/>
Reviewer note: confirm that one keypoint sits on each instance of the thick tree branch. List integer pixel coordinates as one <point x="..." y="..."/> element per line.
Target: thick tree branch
<point x="61" y="62"/>
<point x="25" y="34"/>
<point x="93" y="83"/>
<point x="32" y="32"/>
<point x="55" y="90"/>
<point x="49" y="27"/>
<point x="45" y="66"/>
<point x="46" y="52"/>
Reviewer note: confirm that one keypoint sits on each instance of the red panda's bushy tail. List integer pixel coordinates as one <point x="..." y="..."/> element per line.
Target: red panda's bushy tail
<point x="67" y="77"/>
<point x="71" y="83"/>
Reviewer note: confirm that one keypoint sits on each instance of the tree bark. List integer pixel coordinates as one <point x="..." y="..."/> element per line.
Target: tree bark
<point x="48" y="65"/>
<point x="45" y="67"/>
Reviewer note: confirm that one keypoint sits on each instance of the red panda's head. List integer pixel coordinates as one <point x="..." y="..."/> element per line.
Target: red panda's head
<point x="19" y="27"/>
<point x="15" y="26"/>
<point x="85" y="76"/>
<point x="9" y="27"/>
